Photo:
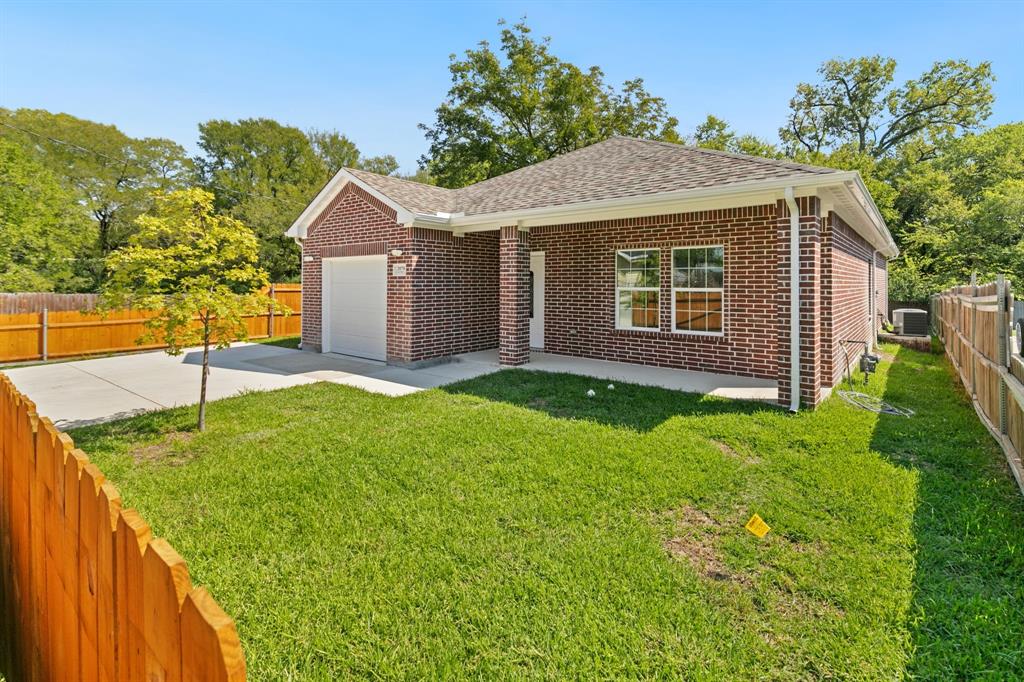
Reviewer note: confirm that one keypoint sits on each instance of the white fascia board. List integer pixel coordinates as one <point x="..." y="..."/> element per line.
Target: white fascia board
<point x="331" y="189"/>
<point x="865" y="200"/>
<point x="651" y="204"/>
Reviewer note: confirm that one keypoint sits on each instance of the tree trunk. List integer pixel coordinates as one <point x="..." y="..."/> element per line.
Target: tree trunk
<point x="206" y="373"/>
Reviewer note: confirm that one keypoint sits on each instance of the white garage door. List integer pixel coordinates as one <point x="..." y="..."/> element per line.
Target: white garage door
<point x="356" y="306"/>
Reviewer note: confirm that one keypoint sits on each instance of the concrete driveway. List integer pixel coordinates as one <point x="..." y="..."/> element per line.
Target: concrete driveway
<point x="91" y="391"/>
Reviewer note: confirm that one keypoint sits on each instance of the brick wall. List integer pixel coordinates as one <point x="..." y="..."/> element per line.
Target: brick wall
<point x="580" y="290"/>
<point x="447" y="302"/>
<point x="354" y="224"/>
<point x="514" y="296"/>
<point x="851" y="263"/>
<point x="455" y="293"/>
<point x="811" y="266"/>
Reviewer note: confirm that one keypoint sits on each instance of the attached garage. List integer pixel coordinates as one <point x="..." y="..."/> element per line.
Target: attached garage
<point x="355" y="314"/>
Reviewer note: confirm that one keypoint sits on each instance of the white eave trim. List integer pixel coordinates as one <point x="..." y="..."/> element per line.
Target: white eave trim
<point x="301" y="225"/>
<point x="868" y="223"/>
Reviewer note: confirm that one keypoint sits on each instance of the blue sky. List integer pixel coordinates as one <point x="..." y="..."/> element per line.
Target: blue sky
<point x="374" y="71"/>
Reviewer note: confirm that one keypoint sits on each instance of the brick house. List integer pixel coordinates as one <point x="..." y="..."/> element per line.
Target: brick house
<point x="626" y="250"/>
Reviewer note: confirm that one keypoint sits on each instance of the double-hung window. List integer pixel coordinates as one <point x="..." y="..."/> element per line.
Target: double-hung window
<point x="698" y="289"/>
<point x="637" y="288"/>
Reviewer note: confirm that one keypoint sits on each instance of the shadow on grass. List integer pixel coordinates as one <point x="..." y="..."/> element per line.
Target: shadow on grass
<point x="968" y="592"/>
<point x="564" y="396"/>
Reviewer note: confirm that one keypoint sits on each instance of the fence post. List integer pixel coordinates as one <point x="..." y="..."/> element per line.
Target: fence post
<point x="44" y="327"/>
<point x="974" y="332"/>
<point x="1002" y="329"/>
<point x="270" y="315"/>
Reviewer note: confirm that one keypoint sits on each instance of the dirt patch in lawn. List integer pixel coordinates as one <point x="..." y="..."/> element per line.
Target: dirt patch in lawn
<point x="730" y="451"/>
<point x="693" y="541"/>
<point x="168" y="450"/>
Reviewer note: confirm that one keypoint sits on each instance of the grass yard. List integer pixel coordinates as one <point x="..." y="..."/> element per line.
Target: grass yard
<point x="511" y="527"/>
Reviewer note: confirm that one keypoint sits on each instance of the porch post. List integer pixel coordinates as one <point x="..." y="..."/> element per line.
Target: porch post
<point x="514" y="297"/>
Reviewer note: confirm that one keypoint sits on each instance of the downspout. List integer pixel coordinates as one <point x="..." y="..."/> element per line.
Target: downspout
<point x="872" y="303"/>
<point x="794" y="301"/>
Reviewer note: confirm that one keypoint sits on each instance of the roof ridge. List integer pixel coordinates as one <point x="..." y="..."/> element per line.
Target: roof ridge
<point x="734" y="155"/>
<point x="398" y="179"/>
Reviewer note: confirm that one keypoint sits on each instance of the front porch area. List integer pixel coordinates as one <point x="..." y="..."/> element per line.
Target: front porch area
<point x="395" y="381"/>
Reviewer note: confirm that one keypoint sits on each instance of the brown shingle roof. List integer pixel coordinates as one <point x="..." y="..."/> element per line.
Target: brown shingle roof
<point x="615" y="168"/>
<point x="415" y="196"/>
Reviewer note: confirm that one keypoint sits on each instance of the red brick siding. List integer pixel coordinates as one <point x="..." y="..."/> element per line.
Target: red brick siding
<point x="455" y="293"/>
<point x="355" y="223"/>
<point x="810" y="300"/>
<point x="851" y="285"/>
<point x="447" y="302"/>
<point x="514" y="296"/>
<point x="579" y="262"/>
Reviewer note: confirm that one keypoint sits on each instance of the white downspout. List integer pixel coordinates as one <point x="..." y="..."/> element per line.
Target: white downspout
<point x="872" y="303"/>
<point x="794" y="301"/>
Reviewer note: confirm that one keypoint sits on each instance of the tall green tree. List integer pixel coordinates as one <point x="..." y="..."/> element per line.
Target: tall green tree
<point x="264" y="173"/>
<point x="716" y="133"/>
<point x="197" y="270"/>
<point x="114" y="175"/>
<point x="43" y="227"/>
<point x="856" y="102"/>
<point x="520" y="105"/>
<point x="961" y="212"/>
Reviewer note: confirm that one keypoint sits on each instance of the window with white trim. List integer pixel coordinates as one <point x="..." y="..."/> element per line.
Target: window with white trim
<point x="637" y="288"/>
<point x="698" y="289"/>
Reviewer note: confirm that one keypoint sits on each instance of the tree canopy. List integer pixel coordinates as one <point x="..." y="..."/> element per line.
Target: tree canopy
<point x="522" y="105"/>
<point x="198" y="271"/>
<point x="855" y="103"/>
<point x="264" y="173"/>
<point x="43" y="229"/>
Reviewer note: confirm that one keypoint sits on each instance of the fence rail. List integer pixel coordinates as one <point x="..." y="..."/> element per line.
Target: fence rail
<point x="47" y="333"/>
<point x="86" y="592"/>
<point x="974" y="325"/>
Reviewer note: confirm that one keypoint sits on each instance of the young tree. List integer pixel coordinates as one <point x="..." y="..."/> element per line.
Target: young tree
<point x="526" y="105"/>
<point x="197" y="271"/>
<point x="855" y="103"/>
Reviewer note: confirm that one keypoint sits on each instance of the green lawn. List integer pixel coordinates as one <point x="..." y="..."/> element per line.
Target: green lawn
<point x="512" y="527"/>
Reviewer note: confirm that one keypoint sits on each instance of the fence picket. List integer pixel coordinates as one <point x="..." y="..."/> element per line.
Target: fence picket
<point x="85" y="592"/>
<point x="89" y="525"/>
<point x="133" y="537"/>
<point x="209" y="643"/>
<point x="166" y="584"/>
<point x="108" y="504"/>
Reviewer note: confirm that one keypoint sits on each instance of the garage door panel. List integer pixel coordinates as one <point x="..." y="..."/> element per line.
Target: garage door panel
<point x="357" y="307"/>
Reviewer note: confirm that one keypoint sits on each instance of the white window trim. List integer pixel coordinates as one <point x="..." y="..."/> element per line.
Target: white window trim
<point x="725" y="307"/>
<point x="615" y="270"/>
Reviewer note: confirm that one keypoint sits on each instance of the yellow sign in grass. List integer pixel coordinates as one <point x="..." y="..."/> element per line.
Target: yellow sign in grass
<point x="757" y="526"/>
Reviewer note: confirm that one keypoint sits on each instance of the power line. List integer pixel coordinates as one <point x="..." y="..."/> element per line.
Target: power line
<point x="128" y="162"/>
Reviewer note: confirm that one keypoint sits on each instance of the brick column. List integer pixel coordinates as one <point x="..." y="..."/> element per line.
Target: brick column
<point x="810" y="302"/>
<point x="514" y="297"/>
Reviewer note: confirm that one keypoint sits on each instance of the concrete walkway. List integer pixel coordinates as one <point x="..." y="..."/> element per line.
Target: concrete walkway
<point x="91" y="391"/>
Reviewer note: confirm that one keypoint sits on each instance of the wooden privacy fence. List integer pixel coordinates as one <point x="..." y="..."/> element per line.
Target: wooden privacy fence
<point x="86" y="593"/>
<point x="51" y="333"/>
<point x="974" y="324"/>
